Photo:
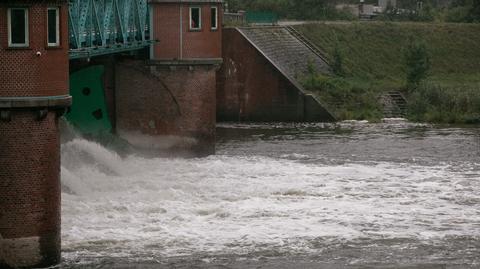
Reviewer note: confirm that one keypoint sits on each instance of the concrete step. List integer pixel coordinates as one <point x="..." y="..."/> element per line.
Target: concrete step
<point x="394" y="104"/>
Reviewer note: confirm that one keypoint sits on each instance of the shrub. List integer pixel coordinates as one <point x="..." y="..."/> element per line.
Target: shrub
<point x="345" y="100"/>
<point x="432" y="103"/>
<point x="417" y="62"/>
<point x="458" y="14"/>
<point x="337" y="66"/>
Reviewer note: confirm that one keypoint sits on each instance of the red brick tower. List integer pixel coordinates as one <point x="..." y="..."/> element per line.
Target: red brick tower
<point x="178" y="105"/>
<point x="33" y="94"/>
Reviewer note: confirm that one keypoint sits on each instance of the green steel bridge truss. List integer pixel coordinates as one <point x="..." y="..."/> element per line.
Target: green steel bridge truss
<point x="99" y="27"/>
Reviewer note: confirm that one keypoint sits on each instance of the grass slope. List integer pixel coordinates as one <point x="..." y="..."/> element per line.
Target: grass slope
<point x="373" y="52"/>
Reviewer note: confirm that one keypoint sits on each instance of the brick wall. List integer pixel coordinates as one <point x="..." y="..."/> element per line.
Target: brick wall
<point x="205" y="43"/>
<point x="29" y="144"/>
<point x="30" y="185"/>
<point x="250" y="88"/>
<point x="168" y="108"/>
<point x="23" y="72"/>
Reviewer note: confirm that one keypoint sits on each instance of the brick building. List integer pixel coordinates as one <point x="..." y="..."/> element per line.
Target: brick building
<point x="173" y="107"/>
<point x="33" y="94"/>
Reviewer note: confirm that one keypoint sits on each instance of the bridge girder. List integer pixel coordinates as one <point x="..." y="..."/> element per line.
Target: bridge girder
<point x="98" y="27"/>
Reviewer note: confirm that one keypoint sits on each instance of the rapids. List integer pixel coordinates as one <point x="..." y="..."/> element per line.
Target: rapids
<point x="348" y="194"/>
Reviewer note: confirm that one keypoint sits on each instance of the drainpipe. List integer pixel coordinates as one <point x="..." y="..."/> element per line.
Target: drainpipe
<point x="152" y="32"/>
<point x="181" y="31"/>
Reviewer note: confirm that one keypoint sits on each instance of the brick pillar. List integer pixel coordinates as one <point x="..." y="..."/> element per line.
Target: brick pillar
<point x="29" y="188"/>
<point x="168" y="107"/>
<point x="33" y="94"/>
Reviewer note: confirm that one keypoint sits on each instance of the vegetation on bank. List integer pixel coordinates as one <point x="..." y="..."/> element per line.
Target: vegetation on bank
<point x="294" y="9"/>
<point x="406" y="10"/>
<point x="437" y="66"/>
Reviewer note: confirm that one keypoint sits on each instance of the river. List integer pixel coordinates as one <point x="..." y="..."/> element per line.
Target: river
<point x="347" y="195"/>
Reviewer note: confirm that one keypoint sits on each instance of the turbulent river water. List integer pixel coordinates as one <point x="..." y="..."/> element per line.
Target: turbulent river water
<point x="351" y="194"/>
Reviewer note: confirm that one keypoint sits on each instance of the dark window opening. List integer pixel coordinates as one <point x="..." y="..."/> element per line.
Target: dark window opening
<point x="195" y="18"/>
<point x="53" y="26"/>
<point x="18" y="27"/>
<point x="214" y="18"/>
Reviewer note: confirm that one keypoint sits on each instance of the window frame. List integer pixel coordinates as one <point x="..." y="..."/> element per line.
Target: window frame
<point x="57" y="27"/>
<point x="216" y="18"/>
<point x="9" y="28"/>
<point x="199" y="28"/>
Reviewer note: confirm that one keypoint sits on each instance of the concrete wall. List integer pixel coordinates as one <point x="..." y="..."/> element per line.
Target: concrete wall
<point x="166" y="108"/>
<point x="177" y="41"/>
<point x="250" y="88"/>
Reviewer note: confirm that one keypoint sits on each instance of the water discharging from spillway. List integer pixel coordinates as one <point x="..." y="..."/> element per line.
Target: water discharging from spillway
<point x="346" y="194"/>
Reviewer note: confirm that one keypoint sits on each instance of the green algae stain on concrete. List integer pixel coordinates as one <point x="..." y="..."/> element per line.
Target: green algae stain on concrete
<point x="89" y="110"/>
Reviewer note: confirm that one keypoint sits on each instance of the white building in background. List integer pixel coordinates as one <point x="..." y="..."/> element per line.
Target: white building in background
<point x="367" y="11"/>
<point x="383" y="4"/>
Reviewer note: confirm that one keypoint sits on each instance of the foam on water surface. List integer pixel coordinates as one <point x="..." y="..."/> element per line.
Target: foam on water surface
<point x="244" y="203"/>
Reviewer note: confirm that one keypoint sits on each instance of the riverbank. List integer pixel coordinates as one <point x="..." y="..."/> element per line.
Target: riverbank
<point x="373" y="62"/>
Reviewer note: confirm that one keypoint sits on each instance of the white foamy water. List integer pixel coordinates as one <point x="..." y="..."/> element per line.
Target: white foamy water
<point x="239" y="204"/>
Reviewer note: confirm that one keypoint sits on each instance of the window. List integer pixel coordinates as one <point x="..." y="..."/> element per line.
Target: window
<point x="195" y="18"/>
<point x="214" y="18"/>
<point x="53" y="27"/>
<point x="17" y="27"/>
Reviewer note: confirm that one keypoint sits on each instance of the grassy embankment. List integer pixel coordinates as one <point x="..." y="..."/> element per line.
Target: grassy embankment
<point x="373" y="61"/>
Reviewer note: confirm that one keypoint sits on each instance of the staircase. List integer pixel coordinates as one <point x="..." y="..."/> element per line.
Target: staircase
<point x="394" y="105"/>
<point x="320" y="53"/>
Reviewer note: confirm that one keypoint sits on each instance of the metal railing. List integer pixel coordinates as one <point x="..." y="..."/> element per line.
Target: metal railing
<point x="235" y="19"/>
<point x="262" y="17"/>
<point x="98" y="27"/>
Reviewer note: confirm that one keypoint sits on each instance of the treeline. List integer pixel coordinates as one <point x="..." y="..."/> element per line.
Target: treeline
<point x="410" y="10"/>
<point x="434" y="10"/>
<point x="294" y="9"/>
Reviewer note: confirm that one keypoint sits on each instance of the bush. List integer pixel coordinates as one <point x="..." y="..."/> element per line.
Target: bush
<point x="345" y="100"/>
<point x="337" y="66"/>
<point x="458" y="14"/>
<point x="417" y="62"/>
<point x="432" y="103"/>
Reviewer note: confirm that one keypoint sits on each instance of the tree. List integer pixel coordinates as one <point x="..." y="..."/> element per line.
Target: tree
<point x="417" y="61"/>
<point x="475" y="12"/>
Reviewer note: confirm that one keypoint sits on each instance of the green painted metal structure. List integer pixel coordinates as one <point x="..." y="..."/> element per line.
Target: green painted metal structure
<point x="88" y="112"/>
<point x="99" y="27"/>
<point x="262" y="17"/>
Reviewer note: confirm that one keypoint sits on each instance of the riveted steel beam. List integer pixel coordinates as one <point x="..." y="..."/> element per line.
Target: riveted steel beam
<point x="98" y="27"/>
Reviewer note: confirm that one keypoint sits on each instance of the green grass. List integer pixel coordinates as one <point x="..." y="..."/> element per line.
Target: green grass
<point x="373" y="53"/>
<point x="432" y="103"/>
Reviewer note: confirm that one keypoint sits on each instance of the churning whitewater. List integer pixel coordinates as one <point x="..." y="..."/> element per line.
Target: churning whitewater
<point x="352" y="193"/>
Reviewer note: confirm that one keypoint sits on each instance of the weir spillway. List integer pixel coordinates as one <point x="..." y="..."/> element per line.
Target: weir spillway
<point x="337" y="195"/>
